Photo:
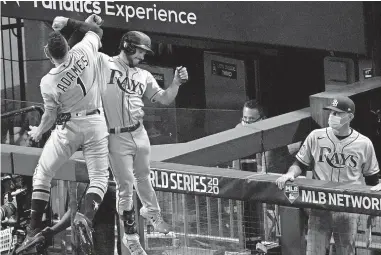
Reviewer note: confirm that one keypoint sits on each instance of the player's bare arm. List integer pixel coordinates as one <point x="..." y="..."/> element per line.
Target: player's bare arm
<point x="168" y="95"/>
<point x="47" y="121"/>
<point x="296" y="169"/>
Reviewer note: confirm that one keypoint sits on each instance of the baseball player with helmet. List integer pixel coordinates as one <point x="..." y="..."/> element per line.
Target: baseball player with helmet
<point x="129" y="145"/>
<point x="338" y="153"/>
<point x="72" y="99"/>
<point x="125" y="85"/>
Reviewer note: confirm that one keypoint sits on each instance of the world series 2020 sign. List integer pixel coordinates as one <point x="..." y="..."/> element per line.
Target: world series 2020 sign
<point x="169" y="181"/>
<point x="248" y="186"/>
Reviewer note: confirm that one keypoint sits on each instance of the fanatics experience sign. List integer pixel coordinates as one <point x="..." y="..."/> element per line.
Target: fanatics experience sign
<point x="129" y="11"/>
<point x="295" y="24"/>
<point x="119" y="9"/>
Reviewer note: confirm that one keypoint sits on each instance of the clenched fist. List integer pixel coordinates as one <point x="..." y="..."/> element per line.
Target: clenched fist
<point x="59" y="22"/>
<point x="181" y="75"/>
<point x="95" y="20"/>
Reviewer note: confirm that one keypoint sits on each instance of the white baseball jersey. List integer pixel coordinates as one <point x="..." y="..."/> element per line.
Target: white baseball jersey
<point x="73" y="85"/>
<point x="125" y="88"/>
<point x="337" y="160"/>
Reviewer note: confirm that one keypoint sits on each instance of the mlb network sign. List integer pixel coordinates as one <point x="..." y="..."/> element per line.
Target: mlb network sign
<point x="331" y="199"/>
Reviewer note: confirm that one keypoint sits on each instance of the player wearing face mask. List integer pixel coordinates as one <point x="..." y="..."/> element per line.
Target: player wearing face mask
<point x="337" y="153"/>
<point x="339" y="122"/>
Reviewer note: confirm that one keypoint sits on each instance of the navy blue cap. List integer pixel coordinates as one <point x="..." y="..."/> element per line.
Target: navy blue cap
<point x="341" y="104"/>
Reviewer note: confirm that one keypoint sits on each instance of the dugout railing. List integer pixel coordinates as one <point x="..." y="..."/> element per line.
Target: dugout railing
<point x="226" y="214"/>
<point x="216" y="184"/>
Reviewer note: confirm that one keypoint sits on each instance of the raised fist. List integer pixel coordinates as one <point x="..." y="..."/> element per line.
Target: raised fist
<point x="95" y="20"/>
<point x="181" y="75"/>
<point x="59" y="22"/>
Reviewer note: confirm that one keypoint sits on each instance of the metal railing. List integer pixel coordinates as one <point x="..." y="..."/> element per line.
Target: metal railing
<point x="8" y="123"/>
<point x="14" y="113"/>
<point x="12" y="53"/>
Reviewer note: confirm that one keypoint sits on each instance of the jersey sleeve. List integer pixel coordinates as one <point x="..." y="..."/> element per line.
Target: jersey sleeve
<point x="49" y="97"/>
<point x="90" y="43"/>
<point x="304" y="154"/>
<point x="153" y="89"/>
<point x="371" y="166"/>
<point x="102" y="70"/>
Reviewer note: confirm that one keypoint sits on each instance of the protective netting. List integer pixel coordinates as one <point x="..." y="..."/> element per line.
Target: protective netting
<point x="205" y="225"/>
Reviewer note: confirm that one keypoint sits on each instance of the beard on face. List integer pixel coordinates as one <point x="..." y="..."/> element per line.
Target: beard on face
<point x="132" y="61"/>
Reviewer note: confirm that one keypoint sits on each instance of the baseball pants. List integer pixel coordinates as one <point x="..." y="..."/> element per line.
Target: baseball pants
<point x="130" y="164"/>
<point x="322" y="224"/>
<point x="90" y="132"/>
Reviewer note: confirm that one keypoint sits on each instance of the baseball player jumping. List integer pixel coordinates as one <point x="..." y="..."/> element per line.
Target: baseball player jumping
<point x="129" y="145"/>
<point x="125" y="85"/>
<point x="71" y="95"/>
<point x="339" y="154"/>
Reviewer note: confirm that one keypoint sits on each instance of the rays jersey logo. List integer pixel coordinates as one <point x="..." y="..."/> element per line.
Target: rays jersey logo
<point x="337" y="159"/>
<point x="130" y="86"/>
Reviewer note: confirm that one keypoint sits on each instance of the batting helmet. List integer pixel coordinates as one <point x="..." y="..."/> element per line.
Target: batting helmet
<point x="135" y="39"/>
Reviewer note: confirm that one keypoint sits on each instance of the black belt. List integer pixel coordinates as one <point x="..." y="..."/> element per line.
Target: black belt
<point x="95" y="111"/>
<point x="124" y="129"/>
<point x="65" y="117"/>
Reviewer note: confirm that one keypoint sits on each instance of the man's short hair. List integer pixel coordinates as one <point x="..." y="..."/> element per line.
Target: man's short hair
<point x="57" y="45"/>
<point x="253" y="104"/>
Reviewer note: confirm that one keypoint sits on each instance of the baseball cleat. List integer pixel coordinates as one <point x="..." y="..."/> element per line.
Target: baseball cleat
<point x="83" y="228"/>
<point x="32" y="243"/>
<point x="157" y="221"/>
<point x="133" y="244"/>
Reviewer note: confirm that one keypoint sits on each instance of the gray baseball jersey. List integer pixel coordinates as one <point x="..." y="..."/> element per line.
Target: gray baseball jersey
<point x="337" y="160"/>
<point x="122" y="96"/>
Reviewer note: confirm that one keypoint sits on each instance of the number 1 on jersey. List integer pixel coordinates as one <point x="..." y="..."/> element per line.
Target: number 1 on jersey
<point x="80" y="83"/>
